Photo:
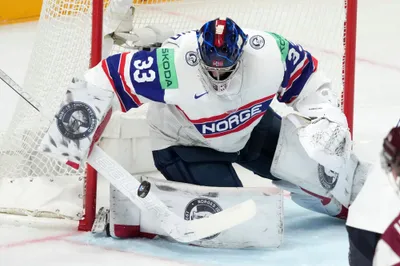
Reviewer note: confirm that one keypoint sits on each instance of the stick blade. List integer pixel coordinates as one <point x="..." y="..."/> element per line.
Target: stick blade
<point x="215" y="223"/>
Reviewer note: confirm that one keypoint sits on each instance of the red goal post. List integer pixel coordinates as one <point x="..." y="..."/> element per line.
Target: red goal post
<point x="349" y="61"/>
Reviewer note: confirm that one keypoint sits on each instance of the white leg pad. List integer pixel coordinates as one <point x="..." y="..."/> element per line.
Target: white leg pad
<point x="126" y="139"/>
<point x="291" y="163"/>
<point x="194" y="202"/>
<point x="124" y="216"/>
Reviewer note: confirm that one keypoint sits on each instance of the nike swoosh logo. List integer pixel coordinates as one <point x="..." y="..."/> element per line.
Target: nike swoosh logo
<point x="198" y="96"/>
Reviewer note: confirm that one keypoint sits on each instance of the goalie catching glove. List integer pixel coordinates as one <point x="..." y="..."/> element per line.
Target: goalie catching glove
<point x="326" y="142"/>
<point x="321" y="161"/>
<point x="323" y="130"/>
<point x="317" y="165"/>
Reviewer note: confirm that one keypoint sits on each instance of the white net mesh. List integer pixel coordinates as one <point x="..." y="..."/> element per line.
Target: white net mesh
<point x="62" y="51"/>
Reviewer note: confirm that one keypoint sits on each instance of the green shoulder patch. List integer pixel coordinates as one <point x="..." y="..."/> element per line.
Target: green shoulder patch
<point x="166" y="68"/>
<point x="282" y="43"/>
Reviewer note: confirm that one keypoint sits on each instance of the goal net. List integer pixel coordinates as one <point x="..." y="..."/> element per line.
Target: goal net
<point x="34" y="185"/>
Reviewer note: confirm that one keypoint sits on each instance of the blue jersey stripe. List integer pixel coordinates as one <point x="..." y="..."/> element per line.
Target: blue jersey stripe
<point x="296" y="82"/>
<point x="299" y="66"/>
<point x="113" y="65"/>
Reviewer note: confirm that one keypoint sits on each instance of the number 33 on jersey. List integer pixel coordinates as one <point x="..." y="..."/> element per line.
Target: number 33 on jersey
<point x="151" y="73"/>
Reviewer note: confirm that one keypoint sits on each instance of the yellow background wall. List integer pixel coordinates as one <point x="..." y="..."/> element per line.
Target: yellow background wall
<point x="12" y="11"/>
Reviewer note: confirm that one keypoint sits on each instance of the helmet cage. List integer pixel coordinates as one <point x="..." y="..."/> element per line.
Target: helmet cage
<point x="219" y="78"/>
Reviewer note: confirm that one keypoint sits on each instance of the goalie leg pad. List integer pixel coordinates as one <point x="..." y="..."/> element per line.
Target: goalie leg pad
<point x="320" y="204"/>
<point x="195" y="202"/>
<point x="308" y="173"/>
<point x="312" y="201"/>
<point x="208" y="167"/>
<point x="259" y="151"/>
<point x="125" y="218"/>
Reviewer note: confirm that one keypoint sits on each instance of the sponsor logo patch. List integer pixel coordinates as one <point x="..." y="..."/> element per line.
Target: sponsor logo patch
<point x="283" y="45"/>
<point x="234" y="120"/>
<point x="196" y="96"/>
<point x="76" y="120"/>
<point x="166" y="68"/>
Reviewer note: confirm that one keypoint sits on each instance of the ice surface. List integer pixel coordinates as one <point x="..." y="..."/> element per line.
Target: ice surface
<point x="310" y="239"/>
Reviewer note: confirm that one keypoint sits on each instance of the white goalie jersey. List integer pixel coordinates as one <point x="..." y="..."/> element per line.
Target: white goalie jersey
<point x="185" y="111"/>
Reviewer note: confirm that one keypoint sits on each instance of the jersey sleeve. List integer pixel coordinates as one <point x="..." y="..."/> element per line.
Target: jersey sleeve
<point x="142" y="76"/>
<point x="299" y="65"/>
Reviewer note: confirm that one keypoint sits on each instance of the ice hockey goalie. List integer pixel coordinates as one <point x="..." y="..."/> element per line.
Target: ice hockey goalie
<point x="208" y="93"/>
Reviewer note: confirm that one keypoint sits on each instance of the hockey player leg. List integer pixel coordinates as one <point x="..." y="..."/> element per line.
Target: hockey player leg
<point x="258" y="155"/>
<point x="131" y="152"/>
<point x="147" y="200"/>
<point x="194" y="202"/>
<point x="125" y="218"/>
<point x="210" y="169"/>
<point x="198" y="166"/>
<point x="312" y="201"/>
<point x="362" y="246"/>
<point x="118" y="30"/>
<point x="338" y="188"/>
<point x="259" y="151"/>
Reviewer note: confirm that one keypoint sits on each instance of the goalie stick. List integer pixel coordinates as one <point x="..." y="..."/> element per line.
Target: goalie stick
<point x="176" y="227"/>
<point x="141" y="195"/>
<point x="18" y="90"/>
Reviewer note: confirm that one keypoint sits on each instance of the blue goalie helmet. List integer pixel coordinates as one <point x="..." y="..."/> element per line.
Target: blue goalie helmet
<point x="220" y="46"/>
